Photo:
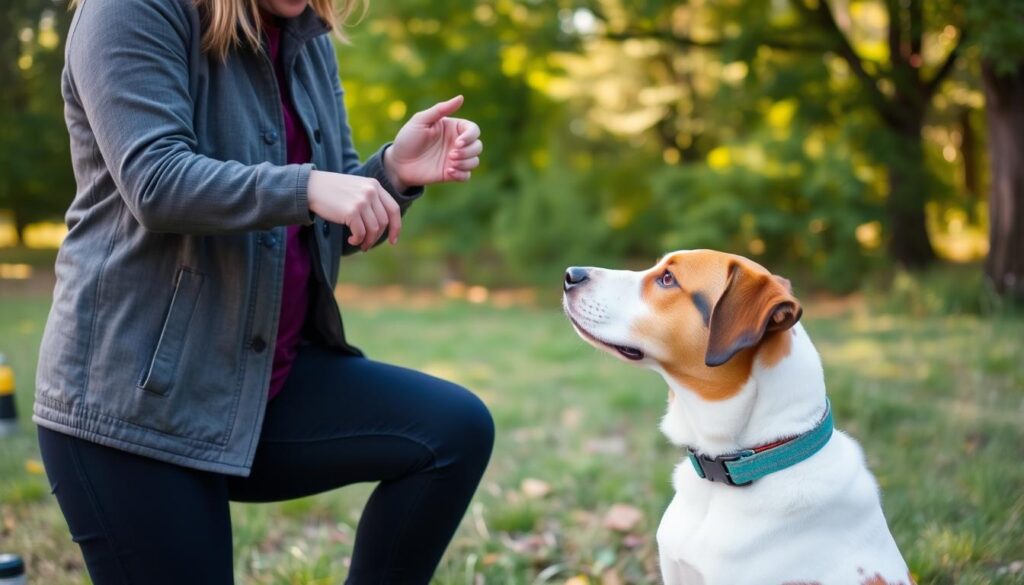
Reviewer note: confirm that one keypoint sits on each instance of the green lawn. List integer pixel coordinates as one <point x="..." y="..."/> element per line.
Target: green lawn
<point x="938" y="404"/>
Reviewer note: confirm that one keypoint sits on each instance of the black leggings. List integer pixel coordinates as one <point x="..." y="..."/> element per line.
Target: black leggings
<point x="339" y="420"/>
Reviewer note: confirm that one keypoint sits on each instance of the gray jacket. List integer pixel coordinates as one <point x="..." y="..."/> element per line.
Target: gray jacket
<point x="160" y="338"/>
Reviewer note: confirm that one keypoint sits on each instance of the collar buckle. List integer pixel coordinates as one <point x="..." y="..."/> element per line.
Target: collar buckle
<point x="715" y="468"/>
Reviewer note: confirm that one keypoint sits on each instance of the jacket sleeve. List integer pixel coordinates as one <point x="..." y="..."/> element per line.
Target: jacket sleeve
<point x="128" y="62"/>
<point x="373" y="166"/>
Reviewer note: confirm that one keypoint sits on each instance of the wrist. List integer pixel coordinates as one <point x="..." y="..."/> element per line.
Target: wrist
<point x="313" y="190"/>
<point x="392" y="175"/>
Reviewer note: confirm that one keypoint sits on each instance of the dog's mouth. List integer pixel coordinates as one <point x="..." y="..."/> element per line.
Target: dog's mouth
<point x="628" y="352"/>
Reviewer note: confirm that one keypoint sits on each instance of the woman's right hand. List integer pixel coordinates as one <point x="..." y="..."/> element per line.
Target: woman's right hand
<point x="358" y="202"/>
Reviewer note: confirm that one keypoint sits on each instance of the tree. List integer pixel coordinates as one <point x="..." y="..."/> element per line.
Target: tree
<point x="409" y="54"/>
<point x="1001" y="40"/>
<point x="895" y="83"/>
<point x="35" y="171"/>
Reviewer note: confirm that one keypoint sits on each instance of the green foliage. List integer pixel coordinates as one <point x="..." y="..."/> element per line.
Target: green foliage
<point x="35" y="174"/>
<point x="947" y="290"/>
<point x="548" y="223"/>
<point x="575" y="108"/>
<point x="777" y="205"/>
<point x="997" y="26"/>
<point x="602" y="123"/>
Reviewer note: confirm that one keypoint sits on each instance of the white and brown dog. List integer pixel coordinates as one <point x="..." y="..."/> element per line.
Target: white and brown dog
<point x="768" y="494"/>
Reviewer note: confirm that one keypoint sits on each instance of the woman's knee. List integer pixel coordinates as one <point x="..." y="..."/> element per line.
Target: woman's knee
<point x="469" y="428"/>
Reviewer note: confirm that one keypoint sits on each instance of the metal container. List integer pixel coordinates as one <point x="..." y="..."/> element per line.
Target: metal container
<point x="8" y="409"/>
<point x="12" y="570"/>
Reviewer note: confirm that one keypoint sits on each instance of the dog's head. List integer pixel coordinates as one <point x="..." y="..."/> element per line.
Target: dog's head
<point x="700" y="316"/>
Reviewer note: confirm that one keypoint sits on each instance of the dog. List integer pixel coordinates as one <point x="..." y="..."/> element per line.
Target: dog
<point x="767" y="493"/>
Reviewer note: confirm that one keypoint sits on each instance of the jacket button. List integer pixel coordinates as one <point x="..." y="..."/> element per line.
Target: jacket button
<point x="316" y="135"/>
<point x="258" y="345"/>
<point x="270" y="136"/>
<point x="326" y="229"/>
<point x="268" y="240"/>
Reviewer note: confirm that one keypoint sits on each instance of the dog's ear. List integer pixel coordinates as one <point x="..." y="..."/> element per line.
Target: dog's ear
<point x="752" y="306"/>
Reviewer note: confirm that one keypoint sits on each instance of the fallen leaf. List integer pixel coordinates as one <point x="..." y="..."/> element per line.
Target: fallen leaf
<point x="531" y="545"/>
<point x="623" y="518"/>
<point x="534" y="488"/>
<point x="572" y="417"/>
<point x="633" y="541"/>
<point x="34" y="467"/>
<point x="490" y="559"/>
<point x="578" y="580"/>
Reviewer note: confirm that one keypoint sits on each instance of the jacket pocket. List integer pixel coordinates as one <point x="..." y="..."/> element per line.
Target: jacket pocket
<point x="159" y="376"/>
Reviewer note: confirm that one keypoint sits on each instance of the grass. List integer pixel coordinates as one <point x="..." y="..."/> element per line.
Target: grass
<point x="937" y="402"/>
<point x="42" y="257"/>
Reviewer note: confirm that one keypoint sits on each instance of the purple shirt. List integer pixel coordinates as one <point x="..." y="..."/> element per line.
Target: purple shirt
<point x="297" y="266"/>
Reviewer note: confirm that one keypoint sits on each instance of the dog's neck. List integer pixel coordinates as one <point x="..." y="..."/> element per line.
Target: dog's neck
<point x="778" y="401"/>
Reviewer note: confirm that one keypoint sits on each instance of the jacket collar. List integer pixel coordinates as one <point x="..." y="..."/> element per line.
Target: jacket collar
<point x="296" y="32"/>
<point x="305" y="26"/>
<point x="746" y="466"/>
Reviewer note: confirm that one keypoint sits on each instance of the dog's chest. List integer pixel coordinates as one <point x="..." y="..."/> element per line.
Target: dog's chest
<point x="819" y="523"/>
<point x="697" y="533"/>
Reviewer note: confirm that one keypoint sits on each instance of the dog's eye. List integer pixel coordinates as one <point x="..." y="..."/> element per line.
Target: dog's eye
<point x="666" y="280"/>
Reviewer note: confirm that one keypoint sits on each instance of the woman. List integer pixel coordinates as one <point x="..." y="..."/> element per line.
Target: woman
<point x="194" y="352"/>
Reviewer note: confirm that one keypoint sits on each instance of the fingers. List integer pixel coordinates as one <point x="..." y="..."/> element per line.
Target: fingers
<point x="377" y="206"/>
<point x="439" y="110"/>
<point x="373" y="227"/>
<point x="469" y="132"/>
<point x="470" y="151"/>
<point x="355" y="225"/>
<point x="457" y="175"/>
<point x="376" y="212"/>
<point x="466" y="155"/>
<point x="466" y="164"/>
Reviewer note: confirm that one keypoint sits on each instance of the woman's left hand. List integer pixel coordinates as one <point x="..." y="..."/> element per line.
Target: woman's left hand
<point x="434" y="148"/>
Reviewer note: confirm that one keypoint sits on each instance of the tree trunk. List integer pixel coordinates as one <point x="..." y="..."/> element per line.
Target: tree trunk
<point x="969" y="154"/>
<point x="908" y="193"/>
<point x="1004" y="96"/>
<point x="19" y="227"/>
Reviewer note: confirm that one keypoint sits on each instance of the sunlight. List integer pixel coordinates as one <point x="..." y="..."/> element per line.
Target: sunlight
<point x="15" y="271"/>
<point x="45" y="235"/>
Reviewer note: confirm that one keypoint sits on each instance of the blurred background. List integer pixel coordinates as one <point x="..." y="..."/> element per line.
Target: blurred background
<point x="872" y="151"/>
<point x="834" y="142"/>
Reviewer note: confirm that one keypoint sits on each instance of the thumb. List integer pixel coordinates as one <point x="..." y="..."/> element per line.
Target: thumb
<point x="440" y="110"/>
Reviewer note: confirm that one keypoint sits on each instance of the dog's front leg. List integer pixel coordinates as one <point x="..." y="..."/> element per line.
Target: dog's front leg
<point x="675" y="572"/>
<point x="670" y="573"/>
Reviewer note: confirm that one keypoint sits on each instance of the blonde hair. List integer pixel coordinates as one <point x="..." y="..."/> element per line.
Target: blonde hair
<point x="228" y="24"/>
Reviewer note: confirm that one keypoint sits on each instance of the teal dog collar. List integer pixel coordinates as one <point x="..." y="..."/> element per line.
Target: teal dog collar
<point x="746" y="466"/>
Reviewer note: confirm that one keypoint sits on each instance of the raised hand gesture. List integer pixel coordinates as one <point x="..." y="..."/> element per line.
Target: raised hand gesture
<point x="433" y="147"/>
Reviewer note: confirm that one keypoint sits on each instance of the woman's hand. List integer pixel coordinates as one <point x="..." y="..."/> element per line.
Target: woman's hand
<point x="358" y="202"/>
<point x="433" y="148"/>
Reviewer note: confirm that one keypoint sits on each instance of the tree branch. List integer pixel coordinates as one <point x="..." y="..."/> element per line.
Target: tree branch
<point x="947" y="66"/>
<point x="690" y="42"/>
<point x="916" y="27"/>
<point x="895" y="31"/>
<point x="823" y="15"/>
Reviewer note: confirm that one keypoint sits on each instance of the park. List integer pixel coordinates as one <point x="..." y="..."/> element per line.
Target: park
<point x="870" y="151"/>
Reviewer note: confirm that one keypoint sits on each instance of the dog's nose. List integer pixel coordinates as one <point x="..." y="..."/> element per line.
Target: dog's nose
<point x="575" y="276"/>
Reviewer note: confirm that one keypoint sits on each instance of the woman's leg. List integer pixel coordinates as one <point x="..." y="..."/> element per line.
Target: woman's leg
<point x="139" y="521"/>
<point x="341" y="420"/>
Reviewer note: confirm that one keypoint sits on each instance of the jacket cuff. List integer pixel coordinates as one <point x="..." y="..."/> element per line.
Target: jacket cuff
<point x="303" y="216"/>
<point x="374" y="167"/>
